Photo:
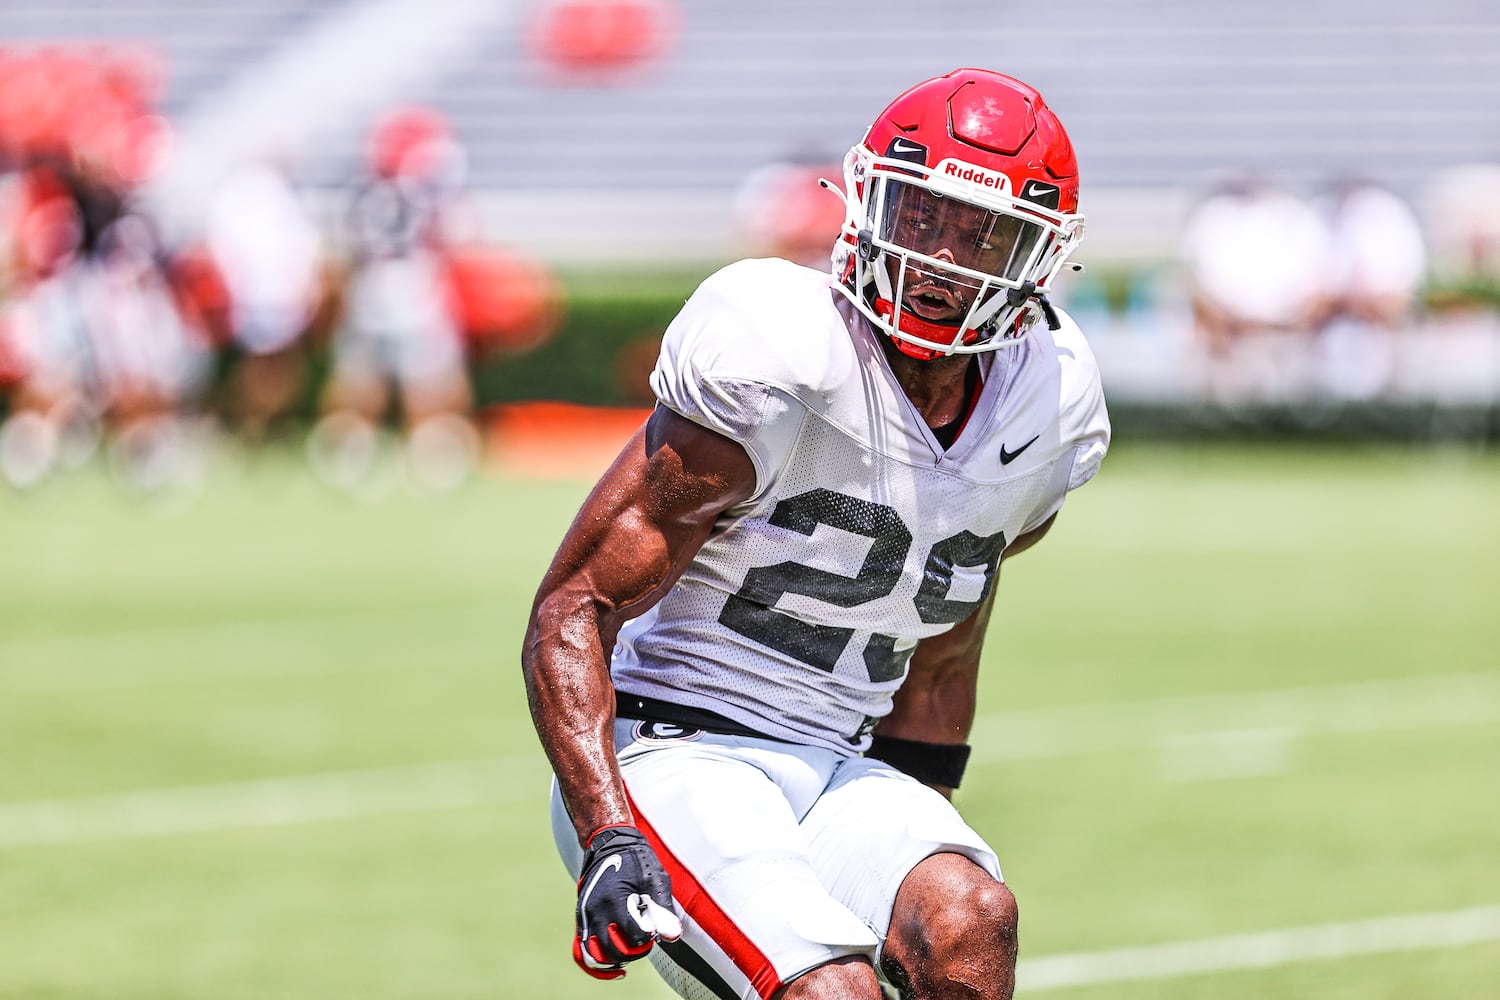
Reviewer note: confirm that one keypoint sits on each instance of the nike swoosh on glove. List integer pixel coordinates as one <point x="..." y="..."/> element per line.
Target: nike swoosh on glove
<point x="624" y="902"/>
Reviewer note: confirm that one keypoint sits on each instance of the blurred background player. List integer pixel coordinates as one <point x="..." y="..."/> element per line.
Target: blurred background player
<point x="1378" y="260"/>
<point x="94" y="336"/>
<point x="1462" y="206"/>
<point x="399" y="334"/>
<point x="784" y="212"/>
<point x="150" y="367"/>
<point x="42" y="327"/>
<point x="269" y="255"/>
<point x="1258" y="267"/>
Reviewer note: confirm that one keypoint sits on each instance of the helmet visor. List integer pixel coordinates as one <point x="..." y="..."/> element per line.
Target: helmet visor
<point x="991" y="242"/>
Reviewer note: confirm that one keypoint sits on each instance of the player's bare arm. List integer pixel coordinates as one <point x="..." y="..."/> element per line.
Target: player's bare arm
<point x="636" y="532"/>
<point x="936" y="702"/>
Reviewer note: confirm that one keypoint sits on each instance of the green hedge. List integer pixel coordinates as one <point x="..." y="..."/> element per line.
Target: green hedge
<point x="1327" y="421"/>
<point x="604" y="349"/>
<point x="607" y="344"/>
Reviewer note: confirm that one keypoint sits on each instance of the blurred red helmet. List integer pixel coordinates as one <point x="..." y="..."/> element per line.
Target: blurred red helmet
<point x="961" y="207"/>
<point x="402" y="143"/>
<point x="594" y="40"/>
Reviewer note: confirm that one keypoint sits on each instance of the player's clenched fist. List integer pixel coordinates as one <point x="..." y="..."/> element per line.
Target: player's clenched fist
<point x="624" y="902"/>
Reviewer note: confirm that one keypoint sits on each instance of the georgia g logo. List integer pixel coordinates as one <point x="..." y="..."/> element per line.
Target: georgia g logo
<point x="665" y="732"/>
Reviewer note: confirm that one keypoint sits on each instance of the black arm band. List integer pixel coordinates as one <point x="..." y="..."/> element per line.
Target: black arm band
<point x="939" y="764"/>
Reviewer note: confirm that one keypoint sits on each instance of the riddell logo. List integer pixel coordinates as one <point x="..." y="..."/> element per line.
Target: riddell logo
<point x="960" y="171"/>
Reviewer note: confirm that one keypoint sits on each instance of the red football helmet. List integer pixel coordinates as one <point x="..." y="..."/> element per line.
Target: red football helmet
<point x="961" y="207"/>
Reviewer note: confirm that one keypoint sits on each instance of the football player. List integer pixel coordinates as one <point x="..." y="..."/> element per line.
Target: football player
<point x="753" y="660"/>
<point x="399" y="336"/>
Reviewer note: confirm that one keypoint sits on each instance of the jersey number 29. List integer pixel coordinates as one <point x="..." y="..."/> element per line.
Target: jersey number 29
<point x="751" y="610"/>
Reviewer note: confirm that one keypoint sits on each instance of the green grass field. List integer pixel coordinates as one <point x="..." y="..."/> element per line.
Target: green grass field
<point x="276" y="745"/>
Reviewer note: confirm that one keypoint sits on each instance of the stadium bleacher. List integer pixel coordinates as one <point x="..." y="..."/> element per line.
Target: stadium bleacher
<point x="1162" y="98"/>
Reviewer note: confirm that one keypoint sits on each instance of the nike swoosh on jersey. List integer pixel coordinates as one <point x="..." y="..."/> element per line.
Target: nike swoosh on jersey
<point x="1007" y="457"/>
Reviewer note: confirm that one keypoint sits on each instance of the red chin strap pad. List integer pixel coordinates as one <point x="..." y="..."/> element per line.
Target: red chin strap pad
<point x="919" y="327"/>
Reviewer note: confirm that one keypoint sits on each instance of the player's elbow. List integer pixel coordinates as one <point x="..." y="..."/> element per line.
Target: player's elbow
<point x="562" y="617"/>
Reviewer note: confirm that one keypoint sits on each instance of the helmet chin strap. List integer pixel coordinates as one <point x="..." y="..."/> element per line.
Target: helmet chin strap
<point x="948" y="333"/>
<point x="940" y="333"/>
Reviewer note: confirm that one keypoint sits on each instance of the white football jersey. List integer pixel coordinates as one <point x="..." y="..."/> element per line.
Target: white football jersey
<point x="864" y="535"/>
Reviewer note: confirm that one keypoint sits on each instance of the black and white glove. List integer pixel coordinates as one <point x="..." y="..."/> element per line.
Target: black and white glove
<point x="624" y="902"/>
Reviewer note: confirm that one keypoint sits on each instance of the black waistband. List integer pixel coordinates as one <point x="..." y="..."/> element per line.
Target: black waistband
<point x="637" y="706"/>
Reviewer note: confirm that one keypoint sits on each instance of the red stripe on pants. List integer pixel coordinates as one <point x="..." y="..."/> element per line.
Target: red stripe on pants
<point x="707" y="914"/>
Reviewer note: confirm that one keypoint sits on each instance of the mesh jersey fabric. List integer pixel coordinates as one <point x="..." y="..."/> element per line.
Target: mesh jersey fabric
<point x="864" y="535"/>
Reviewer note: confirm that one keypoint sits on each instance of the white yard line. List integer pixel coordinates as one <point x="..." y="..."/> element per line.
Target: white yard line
<point x="58" y="643"/>
<point x="1242" y="733"/>
<point x="457" y="784"/>
<point x="1412" y="932"/>
<point x="94" y="658"/>
<point x="267" y="802"/>
<point x="1348" y="708"/>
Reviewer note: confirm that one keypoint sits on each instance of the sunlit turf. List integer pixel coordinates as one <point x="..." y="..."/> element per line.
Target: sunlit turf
<point x="272" y="628"/>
